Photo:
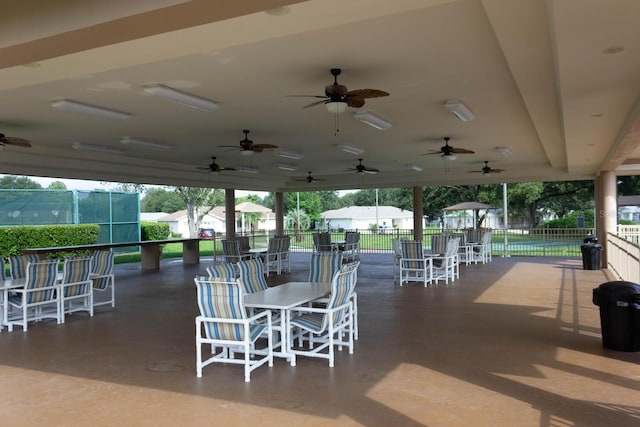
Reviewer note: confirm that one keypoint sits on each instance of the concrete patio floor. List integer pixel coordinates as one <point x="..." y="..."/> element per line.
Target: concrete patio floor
<point x="512" y="343"/>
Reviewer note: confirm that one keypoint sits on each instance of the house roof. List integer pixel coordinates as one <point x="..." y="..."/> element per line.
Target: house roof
<point x="361" y="212"/>
<point x="152" y="216"/>
<point x="629" y="201"/>
<point x="249" y="207"/>
<point x="217" y="212"/>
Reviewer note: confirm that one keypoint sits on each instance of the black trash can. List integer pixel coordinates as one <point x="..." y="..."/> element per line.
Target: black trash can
<point x="591" y="256"/>
<point x="590" y="239"/>
<point x="619" y="304"/>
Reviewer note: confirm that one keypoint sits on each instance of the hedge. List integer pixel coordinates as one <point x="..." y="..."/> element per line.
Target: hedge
<point x="154" y="230"/>
<point x="12" y="239"/>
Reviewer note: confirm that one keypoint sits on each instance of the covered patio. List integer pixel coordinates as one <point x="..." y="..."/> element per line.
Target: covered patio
<point x="513" y="342"/>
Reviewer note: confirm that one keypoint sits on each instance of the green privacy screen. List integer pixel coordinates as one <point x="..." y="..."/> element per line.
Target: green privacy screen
<point x="117" y="214"/>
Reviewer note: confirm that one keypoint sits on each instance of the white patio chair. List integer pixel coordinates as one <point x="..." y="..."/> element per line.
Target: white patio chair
<point x="414" y="267"/>
<point x="328" y="326"/>
<point x="18" y="264"/>
<point x="40" y="297"/>
<point x="76" y="286"/>
<point x="223" y="324"/>
<point x="446" y="266"/>
<point x="104" y="281"/>
<point x="272" y="259"/>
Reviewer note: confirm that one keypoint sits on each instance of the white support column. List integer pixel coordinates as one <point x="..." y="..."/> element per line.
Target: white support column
<point x="606" y="209"/>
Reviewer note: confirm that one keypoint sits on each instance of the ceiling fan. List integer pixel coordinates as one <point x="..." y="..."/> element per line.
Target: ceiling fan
<point x="487" y="170"/>
<point x="214" y="167"/>
<point x="337" y="97"/>
<point x="309" y="179"/>
<point x="362" y="169"/>
<point x="448" y="152"/>
<point x="247" y="147"/>
<point x="10" y="140"/>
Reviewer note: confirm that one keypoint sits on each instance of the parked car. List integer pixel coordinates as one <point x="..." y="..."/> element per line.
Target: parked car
<point x="207" y="233"/>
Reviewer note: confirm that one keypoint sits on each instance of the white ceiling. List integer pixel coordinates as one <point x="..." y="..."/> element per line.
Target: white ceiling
<point x="535" y="73"/>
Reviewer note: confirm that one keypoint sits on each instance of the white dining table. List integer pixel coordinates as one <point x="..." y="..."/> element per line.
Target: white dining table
<point x="282" y="298"/>
<point x="6" y="286"/>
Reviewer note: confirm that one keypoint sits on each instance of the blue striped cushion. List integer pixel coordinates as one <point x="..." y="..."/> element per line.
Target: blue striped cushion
<point x="224" y="269"/>
<point x="412" y="249"/>
<point x="76" y="270"/>
<point x="41" y="275"/>
<point x="323" y="266"/>
<point x="439" y="244"/>
<point x="252" y="276"/>
<point x="102" y="265"/>
<point x="18" y="264"/>
<point x="474" y="235"/>
<point x="309" y="321"/>
<point x="3" y="275"/>
<point x="223" y="300"/>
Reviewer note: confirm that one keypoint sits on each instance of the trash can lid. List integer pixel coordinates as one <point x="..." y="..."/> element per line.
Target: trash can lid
<point x="618" y="288"/>
<point x="590" y="239"/>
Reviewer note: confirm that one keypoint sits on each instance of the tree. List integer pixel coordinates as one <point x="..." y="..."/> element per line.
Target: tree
<point x="298" y="220"/>
<point x="57" y="185"/>
<point x="12" y="182"/>
<point x="128" y="187"/>
<point x="310" y="203"/>
<point x="162" y="200"/>
<point x="195" y="200"/>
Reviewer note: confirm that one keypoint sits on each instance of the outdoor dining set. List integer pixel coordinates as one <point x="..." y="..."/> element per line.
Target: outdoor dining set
<point x="413" y="262"/>
<point x="240" y="315"/>
<point x="37" y="290"/>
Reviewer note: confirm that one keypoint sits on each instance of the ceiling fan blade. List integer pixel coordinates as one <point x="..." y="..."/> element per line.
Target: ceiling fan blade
<point x="228" y="169"/>
<point x="203" y="168"/>
<point x="255" y="149"/>
<point x="432" y="152"/>
<point x="305" y="96"/>
<point x="313" y="104"/>
<point x="263" y="146"/>
<point x="497" y="170"/>
<point x="228" y="146"/>
<point x="335" y="90"/>
<point x="367" y="93"/>
<point x="9" y="140"/>
<point x="371" y="171"/>
<point x="461" y="151"/>
<point x="354" y="101"/>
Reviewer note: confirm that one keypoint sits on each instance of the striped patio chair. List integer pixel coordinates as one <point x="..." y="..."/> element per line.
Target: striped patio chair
<point x="446" y="266"/>
<point x="324" y="242"/>
<point x="252" y="276"/>
<point x="323" y="266"/>
<point x="414" y="267"/>
<point x="3" y="273"/>
<point x="285" y="253"/>
<point x="223" y="270"/>
<point x="272" y="257"/>
<point x="103" y="278"/>
<point x="244" y="244"/>
<point x="18" y="264"/>
<point x="439" y="244"/>
<point x="474" y="235"/>
<point x="231" y="251"/>
<point x="39" y="299"/>
<point x="76" y="293"/>
<point x="223" y="324"/>
<point x="327" y="327"/>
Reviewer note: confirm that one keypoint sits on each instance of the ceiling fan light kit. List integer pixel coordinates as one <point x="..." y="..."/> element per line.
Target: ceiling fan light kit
<point x="372" y="120"/>
<point x="350" y="149"/>
<point x="90" y="110"/>
<point x="458" y="109"/>
<point x="180" y="97"/>
<point x="444" y="156"/>
<point x="246" y="152"/>
<point x="336" y="107"/>
<point x="144" y="144"/>
<point x="289" y="155"/>
<point x="97" y="148"/>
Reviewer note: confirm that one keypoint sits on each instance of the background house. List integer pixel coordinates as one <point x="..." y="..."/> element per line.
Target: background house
<point x="364" y="217"/>
<point x="179" y="225"/>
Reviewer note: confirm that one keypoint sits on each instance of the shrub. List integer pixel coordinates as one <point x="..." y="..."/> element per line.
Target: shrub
<point x="154" y="230"/>
<point x="13" y="239"/>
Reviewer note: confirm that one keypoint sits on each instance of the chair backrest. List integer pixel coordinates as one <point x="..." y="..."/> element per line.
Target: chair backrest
<point x="102" y="266"/>
<point x="486" y="238"/>
<point x="231" y="250"/>
<point x="395" y="245"/>
<point x="274" y="245"/>
<point x="461" y="236"/>
<point x="474" y="235"/>
<point x="439" y="243"/>
<point x="222" y="270"/>
<point x="252" y="275"/>
<point x="351" y="237"/>
<point x="243" y="242"/>
<point x="18" y="264"/>
<point x="324" y="242"/>
<point x="342" y="287"/>
<point x="323" y="266"/>
<point x="285" y="243"/>
<point x="3" y="275"/>
<point x="41" y="275"/>
<point x="76" y="270"/>
<point x="223" y="300"/>
<point x="452" y="247"/>
<point x="412" y="250"/>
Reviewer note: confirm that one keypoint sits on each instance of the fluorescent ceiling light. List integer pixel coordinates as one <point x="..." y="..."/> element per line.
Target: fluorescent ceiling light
<point x="247" y="169"/>
<point x="372" y="120"/>
<point x="183" y="98"/>
<point x="458" y="109"/>
<point x="285" y="167"/>
<point x="336" y="107"/>
<point x="415" y="168"/>
<point x="350" y="149"/>
<point x="289" y="155"/>
<point x="504" y="151"/>
<point x="144" y="144"/>
<point x="98" y="148"/>
<point x="91" y="110"/>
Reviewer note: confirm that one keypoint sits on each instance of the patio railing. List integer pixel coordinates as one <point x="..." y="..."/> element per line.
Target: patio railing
<point x="623" y="257"/>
